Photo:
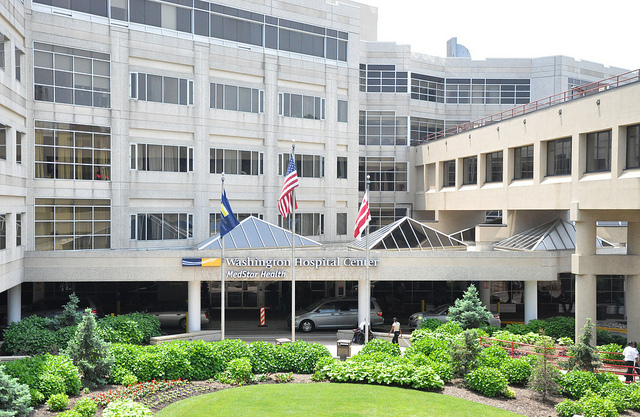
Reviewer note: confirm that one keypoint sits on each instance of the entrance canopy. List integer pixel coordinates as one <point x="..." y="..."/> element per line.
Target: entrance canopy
<point x="555" y="235"/>
<point x="253" y="233"/>
<point x="409" y="234"/>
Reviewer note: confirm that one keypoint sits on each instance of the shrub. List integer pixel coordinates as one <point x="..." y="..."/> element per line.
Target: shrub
<point x="577" y="383"/>
<point x="70" y="315"/>
<point x="596" y="406"/>
<point x="85" y="407"/>
<point x="568" y="408"/>
<point x="379" y="345"/>
<point x="126" y="408"/>
<point x="323" y="366"/>
<point x="611" y="354"/>
<point x="58" y="402"/>
<point x="465" y="356"/>
<point x="51" y="384"/>
<point x="239" y="371"/>
<point x="451" y="328"/>
<point x="419" y="334"/>
<point x="582" y="354"/>
<point x="14" y="396"/>
<point x="47" y="374"/>
<point x="516" y="370"/>
<point x="429" y="346"/>
<point x="469" y="311"/>
<point x="262" y="356"/>
<point x="487" y="381"/>
<point x="300" y="357"/>
<point x="90" y="353"/>
<point x="134" y="328"/>
<point x="430" y="323"/>
<point x="36" y="396"/>
<point x="70" y="413"/>
<point x="29" y="336"/>
<point x="604" y="337"/>
<point x="633" y="397"/>
<point x="230" y="349"/>
<point x="492" y="357"/>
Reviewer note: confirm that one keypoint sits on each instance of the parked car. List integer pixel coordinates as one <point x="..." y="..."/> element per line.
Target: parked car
<point x="335" y="313"/>
<point x="442" y="313"/>
<point x="173" y="313"/>
<point x="54" y="306"/>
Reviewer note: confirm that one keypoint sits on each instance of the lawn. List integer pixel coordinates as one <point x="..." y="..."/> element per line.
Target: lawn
<point x="344" y="400"/>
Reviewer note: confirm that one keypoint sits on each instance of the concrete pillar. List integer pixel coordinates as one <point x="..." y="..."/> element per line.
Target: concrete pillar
<point x="484" y="291"/>
<point x="632" y="290"/>
<point x="585" y="293"/>
<point x="14" y="304"/>
<point x="530" y="301"/>
<point x="194" y="307"/>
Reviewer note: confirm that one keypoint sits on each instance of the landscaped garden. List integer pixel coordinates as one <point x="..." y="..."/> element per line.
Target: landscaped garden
<point x="82" y="366"/>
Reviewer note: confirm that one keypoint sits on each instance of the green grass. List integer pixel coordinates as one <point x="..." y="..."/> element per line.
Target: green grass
<point x="344" y="400"/>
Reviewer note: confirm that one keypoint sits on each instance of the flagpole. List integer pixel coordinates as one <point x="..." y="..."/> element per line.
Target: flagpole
<point x="222" y="283"/>
<point x="293" y="253"/>
<point x="368" y="298"/>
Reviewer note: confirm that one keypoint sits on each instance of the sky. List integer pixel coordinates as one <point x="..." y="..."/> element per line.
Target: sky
<point x="602" y="32"/>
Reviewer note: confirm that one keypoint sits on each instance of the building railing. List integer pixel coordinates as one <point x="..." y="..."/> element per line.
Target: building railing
<point x="572" y="94"/>
<point x="557" y="354"/>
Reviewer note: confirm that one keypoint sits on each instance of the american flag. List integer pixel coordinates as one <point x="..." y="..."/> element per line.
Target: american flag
<point x="364" y="217"/>
<point x="286" y="201"/>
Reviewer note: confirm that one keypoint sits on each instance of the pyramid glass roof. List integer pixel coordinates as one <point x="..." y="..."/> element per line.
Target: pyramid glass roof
<point x="408" y="234"/>
<point x="254" y="233"/>
<point x="555" y="235"/>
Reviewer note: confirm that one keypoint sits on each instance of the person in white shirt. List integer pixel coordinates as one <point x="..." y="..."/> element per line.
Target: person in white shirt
<point x="395" y="328"/>
<point x="630" y="354"/>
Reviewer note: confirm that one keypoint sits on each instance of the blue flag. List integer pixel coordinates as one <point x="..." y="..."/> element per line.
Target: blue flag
<point x="228" y="220"/>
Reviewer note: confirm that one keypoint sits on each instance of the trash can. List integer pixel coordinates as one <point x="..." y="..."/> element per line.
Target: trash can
<point x="344" y="349"/>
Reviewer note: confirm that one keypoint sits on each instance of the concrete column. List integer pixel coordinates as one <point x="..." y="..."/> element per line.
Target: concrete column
<point x="194" y="309"/>
<point x="14" y="304"/>
<point x="484" y="291"/>
<point x="632" y="291"/>
<point x="530" y="301"/>
<point x="585" y="299"/>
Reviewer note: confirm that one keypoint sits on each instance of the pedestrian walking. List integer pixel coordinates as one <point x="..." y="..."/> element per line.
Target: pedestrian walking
<point x="395" y="328"/>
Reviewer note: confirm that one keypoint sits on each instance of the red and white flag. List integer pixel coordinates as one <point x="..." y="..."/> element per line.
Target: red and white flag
<point x="286" y="202"/>
<point x="364" y="216"/>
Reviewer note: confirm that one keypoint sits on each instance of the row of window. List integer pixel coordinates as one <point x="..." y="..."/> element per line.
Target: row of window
<point x="18" y="57"/>
<point x="3" y="230"/>
<point x="4" y="129"/>
<point x="160" y="89"/>
<point x="217" y="21"/>
<point x="385" y="174"/>
<point x="558" y="151"/>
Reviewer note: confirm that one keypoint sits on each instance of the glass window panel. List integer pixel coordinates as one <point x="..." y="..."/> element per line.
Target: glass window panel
<point x="63" y="79"/>
<point x="154" y="88"/>
<point x="82" y="65"/>
<point x="155" y="157"/>
<point x="171" y="90"/>
<point x="63" y="62"/>
<point x="43" y="76"/>
<point x="231" y="97"/>
<point x="171" y="159"/>
<point x="43" y="59"/>
<point x="101" y="68"/>
<point x="101" y="84"/>
<point x="230" y="161"/>
<point x="244" y="99"/>
<point x="296" y="105"/>
<point x="83" y="82"/>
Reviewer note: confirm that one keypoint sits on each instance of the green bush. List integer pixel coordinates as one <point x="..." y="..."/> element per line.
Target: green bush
<point x="70" y="413"/>
<point x="380" y="345"/>
<point x="29" y="336"/>
<point x="633" y="396"/>
<point x="230" y="349"/>
<point x="487" y="381"/>
<point x="396" y="371"/>
<point x="516" y="370"/>
<point x="469" y="310"/>
<point x="611" y="354"/>
<point x="47" y="374"/>
<point x="85" y="407"/>
<point x="430" y="324"/>
<point x="58" y="402"/>
<point x="323" y="366"/>
<point x="604" y="337"/>
<point x="451" y="328"/>
<point x="442" y="367"/>
<point x="568" y="408"/>
<point x="300" y="357"/>
<point x="492" y="357"/>
<point x="263" y="357"/>
<point x="14" y="396"/>
<point x="36" y="396"/>
<point x="429" y="346"/>
<point x="239" y="371"/>
<point x="126" y="408"/>
<point x="577" y="383"/>
<point x="595" y="406"/>
<point x="51" y="384"/>
<point x="133" y="328"/>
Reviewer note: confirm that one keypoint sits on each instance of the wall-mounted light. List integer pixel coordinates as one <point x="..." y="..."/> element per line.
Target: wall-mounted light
<point x="524" y="122"/>
<point x="560" y="111"/>
<point x="498" y="129"/>
<point x="597" y="102"/>
<point x="469" y="135"/>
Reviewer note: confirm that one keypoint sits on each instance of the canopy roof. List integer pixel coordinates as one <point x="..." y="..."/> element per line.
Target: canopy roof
<point x="408" y="234"/>
<point x="255" y="233"/>
<point x="555" y="235"/>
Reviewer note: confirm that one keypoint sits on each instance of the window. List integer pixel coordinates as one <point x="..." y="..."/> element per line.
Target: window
<point x="214" y="221"/>
<point x="231" y="97"/>
<point x="341" y="224"/>
<point x="19" y="136"/>
<point x="421" y="128"/>
<point x="3" y="41"/>
<point x="72" y="224"/>
<point x="385" y="174"/>
<point x="382" y="79"/>
<point x="383" y="214"/>
<point x="18" y="229"/>
<point x="523" y="163"/>
<point x="161" y="89"/>
<point x="3" y="142"/>
<point x="488" y="91"/>
<point x="71" y="76"/>
<point x="307" y="224"/>
<point x="310" y="166"/>
<point x="494" y="167"/>
<point x="232" y="161"/>
<point x="72" y="151"/>
<point x="3" y="231"/>
<point x="559" y="157"/>
<point x="610" y="289"/>
<point x="633" y="147"/>
<point x="427" y="88"/>
<point x="382" y="128"/>
<point x="19" y="55"/>
<point x="297" y="105"/>
<point x="162" y="158"/>
<point x="449" y="173"/>
<point x="599" y="151"/>
<point x="470" y="170"/>
<point x="161" y="226"/>
<point x="343" y="111"/>
<point x="342" y="167"/>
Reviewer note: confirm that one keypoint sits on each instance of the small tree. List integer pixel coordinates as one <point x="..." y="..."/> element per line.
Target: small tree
<point x="583" y="355"/>
<point x="14" y="397"/>
<point x="90" y="353"/>
<point x="465" y="358"/>
<point x="469" y="311"/>
<point x="70" y="315"/>
<point x="545" y="375"/>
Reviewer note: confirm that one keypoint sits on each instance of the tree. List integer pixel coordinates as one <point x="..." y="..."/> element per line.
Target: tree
<point x="90" y="353"/>
<point x="544" y="377"/>
<point x="465" y="357"/>
<point x="583" y="355"/>
<point x="469" y="311"/>
<point x="70" y="315"/>
<point x="14" y="397"/>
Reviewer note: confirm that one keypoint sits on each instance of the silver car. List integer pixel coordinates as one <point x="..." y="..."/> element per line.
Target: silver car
<point x="335" y="313"/>
<point x="173" y="314"/>
<point x="442" y="313"/>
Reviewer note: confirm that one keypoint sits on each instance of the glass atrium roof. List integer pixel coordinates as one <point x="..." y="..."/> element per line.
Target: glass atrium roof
<point x="555" y="235"/>
<point x="256" y="234"/>
<point x="408" y="234"/>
